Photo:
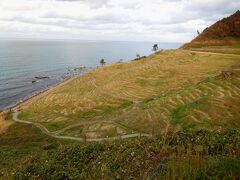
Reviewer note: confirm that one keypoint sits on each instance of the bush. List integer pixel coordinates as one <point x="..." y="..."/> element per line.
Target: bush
<point x="203" y="153"/>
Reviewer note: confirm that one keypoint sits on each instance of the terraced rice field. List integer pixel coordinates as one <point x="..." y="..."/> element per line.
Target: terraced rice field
<point x="168" y="90"/>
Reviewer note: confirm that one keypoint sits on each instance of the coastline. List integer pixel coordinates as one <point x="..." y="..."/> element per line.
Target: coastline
<point x="41" y="93"/>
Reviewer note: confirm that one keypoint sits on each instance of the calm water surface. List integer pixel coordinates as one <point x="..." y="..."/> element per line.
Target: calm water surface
<point x="21" y="61"/>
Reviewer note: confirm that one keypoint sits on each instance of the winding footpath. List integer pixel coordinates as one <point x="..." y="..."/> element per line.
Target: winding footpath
<point x="212" y="53"/>
<point x="44" y="130"/>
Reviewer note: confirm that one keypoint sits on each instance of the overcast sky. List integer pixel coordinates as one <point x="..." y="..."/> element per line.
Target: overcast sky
<point x="130" y="20"/>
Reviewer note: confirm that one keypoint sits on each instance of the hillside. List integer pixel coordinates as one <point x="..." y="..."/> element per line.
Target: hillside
<point x="224" y="32"/>
<point x="171" y="89"/>
<point x="184" y="102"/>
<point x="188" y="100"/>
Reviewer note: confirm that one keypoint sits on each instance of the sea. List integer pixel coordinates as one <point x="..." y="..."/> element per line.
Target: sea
<point x="28" y="67"/>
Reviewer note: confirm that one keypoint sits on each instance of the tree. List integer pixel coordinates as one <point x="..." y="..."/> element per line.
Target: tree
<point x="138" y="56"/>
<point x="155" y="47"/>
<point x="102" y="62"/>
<point x="198" y="32"/>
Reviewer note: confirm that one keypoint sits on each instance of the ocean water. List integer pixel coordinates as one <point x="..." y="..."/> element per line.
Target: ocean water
<point x="21" y="61"/>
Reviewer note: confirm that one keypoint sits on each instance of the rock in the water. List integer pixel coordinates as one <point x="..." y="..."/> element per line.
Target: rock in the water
<point x="42" y="77"/>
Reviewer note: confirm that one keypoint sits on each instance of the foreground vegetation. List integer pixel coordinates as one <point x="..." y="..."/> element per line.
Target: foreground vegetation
<point x="27" y="154"/>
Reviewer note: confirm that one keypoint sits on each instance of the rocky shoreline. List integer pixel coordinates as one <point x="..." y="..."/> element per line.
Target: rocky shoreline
<point x="47" y="88"/>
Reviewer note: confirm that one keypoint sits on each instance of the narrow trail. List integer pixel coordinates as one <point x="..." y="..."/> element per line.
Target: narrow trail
<point x="213" y="53"/>
<point x="44" y="130"/>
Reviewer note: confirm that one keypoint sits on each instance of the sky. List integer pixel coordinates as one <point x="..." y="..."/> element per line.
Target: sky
<point x="117" y="20"/>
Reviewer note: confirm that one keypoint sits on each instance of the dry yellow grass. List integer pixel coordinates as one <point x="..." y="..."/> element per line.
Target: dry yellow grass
<point x="4" y="124"/>
<point x="171" y="88"/>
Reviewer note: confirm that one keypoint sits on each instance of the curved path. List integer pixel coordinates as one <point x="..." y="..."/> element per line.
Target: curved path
<point x="209" y="52"/>
<point x="16" y="112"/>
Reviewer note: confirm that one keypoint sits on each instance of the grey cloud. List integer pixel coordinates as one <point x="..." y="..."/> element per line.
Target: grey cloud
<point x="94" y="4"/>
<point x="125" y="17"/>
<point x="76" y="24"/>
<point x="206" y="9"/>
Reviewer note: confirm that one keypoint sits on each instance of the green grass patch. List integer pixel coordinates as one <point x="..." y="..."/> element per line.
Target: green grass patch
<point x="24" y="115"/>
<point x="111" y="132"/>
<point x="108" y="110"/>
<point x="126" y="104"/>
<point x="142" y="82"/>
<point x="180" y="111"/>
<point x="197" y="167"/>
<point x="237" y="46"/>
<point x="77" y="131"/>
<point x="145" y="103"/>
<point x="55" y="126"/>
<point x="211" y="79"/>
<point x="159" y="82"/>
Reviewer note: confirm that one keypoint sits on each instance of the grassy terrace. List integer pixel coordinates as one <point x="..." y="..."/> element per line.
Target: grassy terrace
<point x="174" y="89"/>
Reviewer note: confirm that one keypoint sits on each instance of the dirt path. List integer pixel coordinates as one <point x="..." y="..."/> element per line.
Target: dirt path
<point x="44" y="130"/>
<point x="213" y="53"/>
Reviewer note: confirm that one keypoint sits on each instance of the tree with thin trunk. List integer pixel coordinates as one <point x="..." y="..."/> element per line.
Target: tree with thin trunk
<point x="155" y="47"/>
<point x="138" y="56"/>
<point x="102" y="62"/>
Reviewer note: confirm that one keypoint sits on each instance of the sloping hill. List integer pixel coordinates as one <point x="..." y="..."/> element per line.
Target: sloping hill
<point x="187" y="99"/>
<point x="194" y="93"/>
<point x="170" y="89"/>
<point x="223" y="32"/>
